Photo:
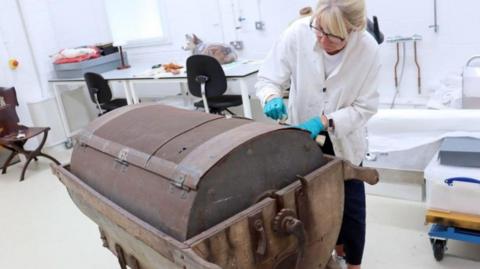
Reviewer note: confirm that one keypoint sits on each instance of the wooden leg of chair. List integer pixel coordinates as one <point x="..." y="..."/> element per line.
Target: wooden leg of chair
<point x="8" y="161"/>
<point x="38" y="151"/>
<point x="49" y="157"/>
<point x="22" y="177"/>
<point x="32" y="155"/>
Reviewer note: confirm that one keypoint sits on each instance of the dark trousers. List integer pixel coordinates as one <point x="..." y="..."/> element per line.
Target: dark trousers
<point x="352" y="232"/>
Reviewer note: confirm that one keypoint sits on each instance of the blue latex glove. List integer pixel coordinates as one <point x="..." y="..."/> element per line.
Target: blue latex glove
<point x="275" y="109"/>
<point x="313" y="125"/>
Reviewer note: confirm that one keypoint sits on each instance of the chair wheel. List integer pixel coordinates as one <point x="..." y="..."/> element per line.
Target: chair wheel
<point x="68" y="144"/>
<point x="439" y="249"/>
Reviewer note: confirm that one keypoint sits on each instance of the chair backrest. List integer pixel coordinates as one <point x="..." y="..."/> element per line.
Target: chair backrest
<point x="8" y="115"/>
<point x="9" y="96"/>
<point x="374" y="29"/>
<point x="96" y="84"/>
<point x="203" y="65"/>
<point x="8" y="120"/>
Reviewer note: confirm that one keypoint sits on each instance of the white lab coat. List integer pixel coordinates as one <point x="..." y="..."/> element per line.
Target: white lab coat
<point x="350" y="98"/>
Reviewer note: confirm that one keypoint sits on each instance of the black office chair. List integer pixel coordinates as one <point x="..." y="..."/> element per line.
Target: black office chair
<point x="101" y="94"/>
<point x="206" y="79"/>
<point x="374" y="29"/>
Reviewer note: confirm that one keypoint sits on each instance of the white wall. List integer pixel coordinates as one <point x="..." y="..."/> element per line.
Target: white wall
<point x="215" y="21"/>
<point x="439" y="53"/>
<point x="56" y="24"/>
<point x="13" y="44"/>
<point x="49" y="26"/>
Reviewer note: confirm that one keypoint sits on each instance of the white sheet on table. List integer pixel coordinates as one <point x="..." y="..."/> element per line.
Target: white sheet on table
<point x="402" y="129"/>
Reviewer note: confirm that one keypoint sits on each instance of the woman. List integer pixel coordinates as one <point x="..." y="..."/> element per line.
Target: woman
<point x="331" y="64"/>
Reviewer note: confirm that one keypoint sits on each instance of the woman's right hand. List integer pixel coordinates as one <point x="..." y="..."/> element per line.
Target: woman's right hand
<point x="275" y="109"/>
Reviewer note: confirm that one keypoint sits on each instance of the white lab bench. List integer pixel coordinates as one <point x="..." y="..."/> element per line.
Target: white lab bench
<point x="240" y="71"/>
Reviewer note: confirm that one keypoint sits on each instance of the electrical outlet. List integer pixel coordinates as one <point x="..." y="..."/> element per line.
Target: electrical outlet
<point x="259" y="25"/>
<point x="237" y="44"/>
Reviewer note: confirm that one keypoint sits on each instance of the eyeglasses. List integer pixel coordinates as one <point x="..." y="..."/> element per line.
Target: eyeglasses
<point x="320" y="33"/>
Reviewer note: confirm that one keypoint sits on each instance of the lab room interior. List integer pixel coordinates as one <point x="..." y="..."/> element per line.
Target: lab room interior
<point x="253" y="134"/>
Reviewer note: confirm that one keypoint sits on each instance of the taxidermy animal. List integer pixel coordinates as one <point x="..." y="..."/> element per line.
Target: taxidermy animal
<point x="222" y="52"/>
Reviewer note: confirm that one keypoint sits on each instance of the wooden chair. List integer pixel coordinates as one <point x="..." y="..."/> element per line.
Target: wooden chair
<point x="14" y="136"/>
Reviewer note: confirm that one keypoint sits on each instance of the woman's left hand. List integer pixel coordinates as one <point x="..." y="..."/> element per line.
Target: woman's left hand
<point x="313" y="125"/>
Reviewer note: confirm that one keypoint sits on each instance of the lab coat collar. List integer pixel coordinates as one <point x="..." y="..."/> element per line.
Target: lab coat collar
<point x="351" y="43"/>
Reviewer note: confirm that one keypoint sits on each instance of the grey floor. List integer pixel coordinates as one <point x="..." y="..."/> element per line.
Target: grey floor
<point x="40" y="227"/>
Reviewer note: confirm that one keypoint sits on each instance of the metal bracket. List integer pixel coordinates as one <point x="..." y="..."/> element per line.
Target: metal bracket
<point x="178" y="181"/>
<point x="271" y="194"/>
<point x="258" y="237"/>
<point x="121" y="160"/>
<point x="302" y="203"/>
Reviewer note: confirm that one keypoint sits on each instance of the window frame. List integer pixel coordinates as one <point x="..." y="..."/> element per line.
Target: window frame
<point x="147" y="42"/>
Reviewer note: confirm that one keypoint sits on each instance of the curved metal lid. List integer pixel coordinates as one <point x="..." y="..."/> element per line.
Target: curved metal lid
<point x="176" y="144"/>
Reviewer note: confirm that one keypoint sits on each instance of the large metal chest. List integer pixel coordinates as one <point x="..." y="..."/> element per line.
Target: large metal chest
<point x="171" y="188"/>
<point x="184" y="172"/>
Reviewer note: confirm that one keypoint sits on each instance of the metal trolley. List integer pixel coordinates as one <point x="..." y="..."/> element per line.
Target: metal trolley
<point x="455" y="226"/>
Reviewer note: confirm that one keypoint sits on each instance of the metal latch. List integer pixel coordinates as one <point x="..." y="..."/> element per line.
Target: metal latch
<point x="122" y="159"/>
<point x="178" y="181"/>
<point x="258" y="236"/>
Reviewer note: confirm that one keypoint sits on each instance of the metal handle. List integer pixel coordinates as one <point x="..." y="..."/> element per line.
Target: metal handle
<point x="258" y="237"/>
<point x="262" y="238"/>
<point x="472" y="59"/>
<point x="450" y="181"/>
<point x="286" y="223"/>
<point x="295" y="227"/>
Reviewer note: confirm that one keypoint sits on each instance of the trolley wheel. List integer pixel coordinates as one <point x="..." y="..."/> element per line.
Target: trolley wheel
<point x="439" y="247"/>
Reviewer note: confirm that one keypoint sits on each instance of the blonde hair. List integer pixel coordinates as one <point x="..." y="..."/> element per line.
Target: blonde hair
<point x="339" y="17"/>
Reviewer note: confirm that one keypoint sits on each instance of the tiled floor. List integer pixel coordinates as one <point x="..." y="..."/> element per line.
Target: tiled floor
<point x="40" y="227"/>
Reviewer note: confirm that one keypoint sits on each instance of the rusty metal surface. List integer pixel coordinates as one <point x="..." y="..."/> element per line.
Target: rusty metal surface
<point x="324" y="194"/>
<point x="142" y="237"/>
<point x="195" y="168"/>
<point x="192" y="140"/>
<point x="147" y="128"/>
<point x="208" y="154"/>
<point x="242" y="175"/>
